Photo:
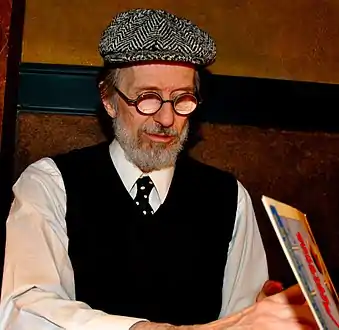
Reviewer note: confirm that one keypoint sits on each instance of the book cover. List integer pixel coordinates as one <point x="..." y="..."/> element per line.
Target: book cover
<point x="302" y="252"/>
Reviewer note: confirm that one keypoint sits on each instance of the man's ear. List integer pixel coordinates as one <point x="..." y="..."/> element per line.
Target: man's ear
<point x="110" y="108"/>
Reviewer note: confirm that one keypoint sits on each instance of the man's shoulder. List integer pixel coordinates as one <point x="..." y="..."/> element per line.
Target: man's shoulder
<point x="41" y="173"/>
<point x="205" y="169"/>
<point x="87" y="152"/>
<point x="210" y="177"/>
<point x="81" y="163"/>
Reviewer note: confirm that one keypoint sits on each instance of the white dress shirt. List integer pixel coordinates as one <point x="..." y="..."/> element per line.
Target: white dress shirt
<point x="38" y="285"/>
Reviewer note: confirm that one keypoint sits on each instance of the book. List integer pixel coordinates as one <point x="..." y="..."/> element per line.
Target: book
<point x="302" y="252"/>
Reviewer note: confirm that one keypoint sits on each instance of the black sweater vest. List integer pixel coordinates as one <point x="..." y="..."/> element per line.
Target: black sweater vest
<point x="166" y="267"/>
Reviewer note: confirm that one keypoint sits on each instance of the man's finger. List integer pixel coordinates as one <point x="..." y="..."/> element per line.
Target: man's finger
<point x="292" y="295"/>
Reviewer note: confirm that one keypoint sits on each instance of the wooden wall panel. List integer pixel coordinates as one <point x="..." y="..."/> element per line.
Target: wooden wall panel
<point x="5" y="19"/>
<point x="11" y="27"/>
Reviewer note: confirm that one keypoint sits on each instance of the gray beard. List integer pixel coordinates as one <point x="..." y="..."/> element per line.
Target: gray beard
<point x="150" y="156"/>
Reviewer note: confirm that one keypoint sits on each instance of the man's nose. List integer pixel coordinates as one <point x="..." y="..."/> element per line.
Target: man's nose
<point x="165" y="116"/>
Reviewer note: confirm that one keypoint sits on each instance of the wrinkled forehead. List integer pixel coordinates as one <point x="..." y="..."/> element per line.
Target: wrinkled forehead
<point x="163" y="75"/>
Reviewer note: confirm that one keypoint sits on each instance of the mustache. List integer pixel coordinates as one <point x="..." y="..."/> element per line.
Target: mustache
<point x="161" y="130"/>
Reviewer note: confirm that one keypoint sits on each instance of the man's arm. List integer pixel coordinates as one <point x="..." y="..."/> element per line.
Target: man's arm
<point x="246" y="269"/>
<point x="285" y="310"/>
<point x="38" y="283"/>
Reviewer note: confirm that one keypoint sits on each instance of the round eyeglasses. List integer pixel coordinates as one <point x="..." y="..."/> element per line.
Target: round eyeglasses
<point x="149" y="103"/>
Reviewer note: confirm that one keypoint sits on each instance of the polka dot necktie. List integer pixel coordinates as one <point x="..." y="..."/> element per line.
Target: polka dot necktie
<point x="144" y="188"/>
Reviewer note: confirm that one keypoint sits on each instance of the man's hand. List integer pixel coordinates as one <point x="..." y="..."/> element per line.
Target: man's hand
<point x="286" y="310"/>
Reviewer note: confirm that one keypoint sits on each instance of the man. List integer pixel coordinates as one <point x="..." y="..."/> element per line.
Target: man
<point x="135" y="234"/>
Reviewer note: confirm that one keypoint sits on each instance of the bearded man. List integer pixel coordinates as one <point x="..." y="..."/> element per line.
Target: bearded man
<point x="133" y="233"/>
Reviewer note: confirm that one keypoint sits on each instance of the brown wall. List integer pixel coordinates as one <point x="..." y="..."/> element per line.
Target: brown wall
<point x="293" y="39"/>
<point x="5" y="17"/>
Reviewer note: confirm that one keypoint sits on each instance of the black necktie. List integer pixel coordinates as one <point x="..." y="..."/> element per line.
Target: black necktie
<point x="144" y="188"/>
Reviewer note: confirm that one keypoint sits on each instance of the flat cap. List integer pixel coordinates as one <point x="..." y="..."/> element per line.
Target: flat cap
<point x="155" y="35"/>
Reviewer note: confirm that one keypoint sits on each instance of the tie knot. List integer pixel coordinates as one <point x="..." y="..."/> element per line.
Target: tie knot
<point x="144" y="188"/>
<point x="145" y="185"/>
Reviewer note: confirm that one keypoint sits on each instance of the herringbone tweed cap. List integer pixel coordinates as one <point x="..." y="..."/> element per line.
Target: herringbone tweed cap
<point x="155" y="35"/>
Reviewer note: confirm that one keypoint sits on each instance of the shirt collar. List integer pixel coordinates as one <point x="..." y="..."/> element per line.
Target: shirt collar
<point x="129" y="173"/>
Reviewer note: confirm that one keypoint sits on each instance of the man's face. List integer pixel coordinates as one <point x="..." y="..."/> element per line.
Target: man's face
<point x="151" y="142"/>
